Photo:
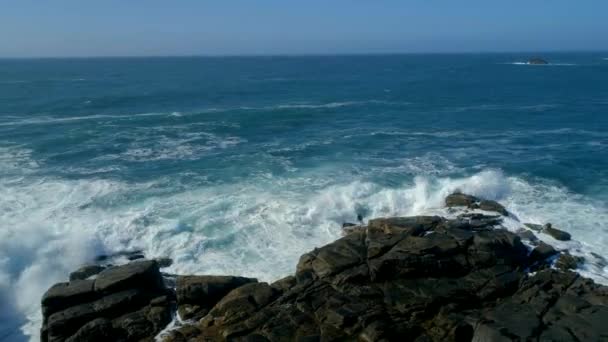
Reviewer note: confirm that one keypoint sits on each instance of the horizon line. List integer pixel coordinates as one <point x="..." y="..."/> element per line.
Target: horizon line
<point x="312" y="54"/>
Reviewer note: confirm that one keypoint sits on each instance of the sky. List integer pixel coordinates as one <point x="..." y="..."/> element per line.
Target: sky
<point x="79" y="28"/>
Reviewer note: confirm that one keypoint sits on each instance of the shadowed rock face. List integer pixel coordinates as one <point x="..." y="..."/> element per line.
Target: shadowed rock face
<point x="421" y="278"/>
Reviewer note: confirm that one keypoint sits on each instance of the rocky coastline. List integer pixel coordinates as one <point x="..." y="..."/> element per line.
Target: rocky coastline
<point x="421" y="278"/>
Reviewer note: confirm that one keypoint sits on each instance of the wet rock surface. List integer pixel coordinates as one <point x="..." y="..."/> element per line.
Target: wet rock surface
<point x="557" y="234"/>
<point x="423" y="278"/>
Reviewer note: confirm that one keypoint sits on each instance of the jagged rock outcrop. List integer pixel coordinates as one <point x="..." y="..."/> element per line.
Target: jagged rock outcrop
<point x="124" y="303"/>
<point x="423" y="278"/>
<point x="472" y="202"/>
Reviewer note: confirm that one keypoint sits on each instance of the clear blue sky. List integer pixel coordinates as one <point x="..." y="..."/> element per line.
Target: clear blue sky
<point x="34" y="28"/>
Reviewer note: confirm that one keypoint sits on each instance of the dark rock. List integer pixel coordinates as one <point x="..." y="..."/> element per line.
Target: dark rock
<point x="132" y="257"/>
<point x="102" y="257"/>
<point x="97" y="330"/>
<point x="488" y="205"/>
<point x="412" y="224"/>
<point x="600" y="260"/>
<point x="526" y="234"/>
<point x="164" y="262"/>
<point x="88" y="310"/>
<point x="196" y="295"/>
<point x="348" y="228"/>
<point x="242" y="302"/>
<point x="537" y="61"/>
<point x="138" y="274"/>
<point x="184" y="333"/>
<point x="284" y="284"/>
<point x="67" y="321"/>
<point x="64" y="295"/>
<point x="85" y="272"/>
<point x="142" y="324"/>
<point x="408" y="278"/>
<point x="497" y="247"/>
<point x="556" y="233"/>
<point x="334" y="257"/>
<point x="476" y="221"/>
<point x="192" y="312"/>
<point x="472" y="202"/>
<point x="542" y="252"/>
<point x="460" y="200"/>
<point x="566" y="261"/>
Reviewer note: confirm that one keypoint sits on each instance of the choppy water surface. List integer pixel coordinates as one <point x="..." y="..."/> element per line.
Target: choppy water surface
<point x="239" y="165"/>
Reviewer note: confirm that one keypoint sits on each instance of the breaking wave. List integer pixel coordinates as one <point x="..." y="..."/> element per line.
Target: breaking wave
<point x="258" y="227"/>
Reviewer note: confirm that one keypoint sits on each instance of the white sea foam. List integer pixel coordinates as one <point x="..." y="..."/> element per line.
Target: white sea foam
<point x="541" y="65"/>
<point x="45" y="120"/>
<point x="315" y="106"/>
<point x="188" y="147"/>
<point x="54" y="120"/>
<point x="16" y="159"/>
<point x="256" y="228"/>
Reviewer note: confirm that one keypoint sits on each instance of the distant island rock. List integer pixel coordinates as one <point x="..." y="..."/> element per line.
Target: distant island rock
<point x="421" y="278"/>
<point x="537" y="61"/>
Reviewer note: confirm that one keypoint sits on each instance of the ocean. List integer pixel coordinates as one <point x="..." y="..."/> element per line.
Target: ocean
<point x="238" y="165"/>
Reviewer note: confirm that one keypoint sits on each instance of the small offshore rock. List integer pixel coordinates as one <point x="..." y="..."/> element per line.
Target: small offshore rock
<point x="86" y="271"/>
<point x="556" y="233"/>
<point x="537" y="61"/>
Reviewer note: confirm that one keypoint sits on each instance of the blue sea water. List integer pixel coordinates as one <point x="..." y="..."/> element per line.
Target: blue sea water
<point x="237" y="165"/>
